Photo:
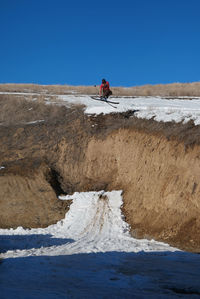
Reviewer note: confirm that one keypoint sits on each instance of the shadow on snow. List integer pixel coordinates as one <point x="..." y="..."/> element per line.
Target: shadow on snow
<point x="102" y="275"/>
<point x="21" y="242"/>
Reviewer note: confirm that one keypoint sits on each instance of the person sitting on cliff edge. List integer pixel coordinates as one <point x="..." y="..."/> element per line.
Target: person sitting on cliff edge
<point x="105" y="91"/>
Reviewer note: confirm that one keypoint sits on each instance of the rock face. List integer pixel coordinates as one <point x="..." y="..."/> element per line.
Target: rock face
<point x="158" y="173"/>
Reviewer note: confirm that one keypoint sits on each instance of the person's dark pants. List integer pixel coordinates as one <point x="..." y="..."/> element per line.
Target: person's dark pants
<point x="107" y="93"/>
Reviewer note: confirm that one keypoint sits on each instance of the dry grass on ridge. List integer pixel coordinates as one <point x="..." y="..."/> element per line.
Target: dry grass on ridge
<point x="168" y="90"/>
<point x="17" y="110"/>
<point x="48" y="89"/>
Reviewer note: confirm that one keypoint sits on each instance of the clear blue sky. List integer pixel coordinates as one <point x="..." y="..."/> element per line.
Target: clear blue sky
<point x="129" y="42"/>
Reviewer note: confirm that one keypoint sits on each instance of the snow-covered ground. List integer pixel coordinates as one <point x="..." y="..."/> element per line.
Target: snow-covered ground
<point x="90" y="254"/>
<point x="178" y="110"/>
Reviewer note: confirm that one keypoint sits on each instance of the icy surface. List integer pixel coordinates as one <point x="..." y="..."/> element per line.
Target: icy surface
<point x="90" y="254"/>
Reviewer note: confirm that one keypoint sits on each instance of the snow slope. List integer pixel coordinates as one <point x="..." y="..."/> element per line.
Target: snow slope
<point x="90" y="254"/>
<point x="178" y="110"/>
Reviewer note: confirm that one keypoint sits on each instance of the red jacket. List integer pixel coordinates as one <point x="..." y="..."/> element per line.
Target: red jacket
<point x="105" y="87"/>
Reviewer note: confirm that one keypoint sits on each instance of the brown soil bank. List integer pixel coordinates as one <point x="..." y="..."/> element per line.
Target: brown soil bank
<point x="156" y="165"/>
<point x="160" y="182"/>
<point x="28" y="197"/>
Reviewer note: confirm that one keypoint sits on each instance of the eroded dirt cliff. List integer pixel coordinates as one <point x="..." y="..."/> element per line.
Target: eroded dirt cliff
<point x="156" y="165"/>
<point x="29" y="195"/>
<point x="160" y="182"/>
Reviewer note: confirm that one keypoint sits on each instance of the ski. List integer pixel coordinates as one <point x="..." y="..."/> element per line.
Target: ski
<point x="103" y="100"/>
<point x="110" y="104"/>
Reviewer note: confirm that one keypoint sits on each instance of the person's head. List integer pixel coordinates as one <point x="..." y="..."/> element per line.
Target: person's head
<point x="103" y="81"/>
